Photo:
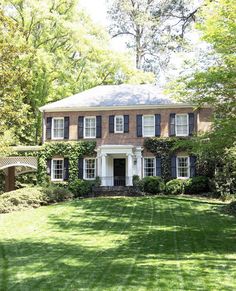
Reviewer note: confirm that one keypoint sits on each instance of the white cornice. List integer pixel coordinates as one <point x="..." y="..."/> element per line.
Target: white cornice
<point x="112" y="108"/>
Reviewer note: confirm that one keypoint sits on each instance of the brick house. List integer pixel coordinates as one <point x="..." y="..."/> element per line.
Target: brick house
<point x="119" y="118"/>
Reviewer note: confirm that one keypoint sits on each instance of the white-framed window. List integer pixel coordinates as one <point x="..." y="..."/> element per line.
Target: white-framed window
<point x="58" y="128"/>
<point x="57" y="169"/>
<point x="149" y="167"/>
<point x="89" y="169"/>
<point x="119" y="124"/>
<point x="148" y="125"/>
<point x="90" y="127"/>
<point x="181" y="125"/>
<point x="183" y="167"/>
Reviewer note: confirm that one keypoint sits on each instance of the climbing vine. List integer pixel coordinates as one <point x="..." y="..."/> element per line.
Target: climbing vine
<point x="71" y="150"/>
<point x="165" y="148"/>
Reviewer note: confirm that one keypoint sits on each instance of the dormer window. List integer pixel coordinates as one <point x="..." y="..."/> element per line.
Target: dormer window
<point x="58" y="128"/>
<point x="119" y="124"/>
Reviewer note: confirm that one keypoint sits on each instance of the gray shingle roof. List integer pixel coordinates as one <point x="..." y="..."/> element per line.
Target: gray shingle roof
<point x="111" y="96"/>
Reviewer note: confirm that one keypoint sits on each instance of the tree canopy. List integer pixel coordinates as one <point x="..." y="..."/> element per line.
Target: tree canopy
<point x="60" y="52"/>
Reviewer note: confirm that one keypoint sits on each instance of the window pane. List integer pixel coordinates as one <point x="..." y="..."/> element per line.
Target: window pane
<point x="90" y="127"/>
<point x="148" y="126"/>
<point x="183" y="167"/>
<point x="58" y="129"/>
<point x="119" y="123"/>
<point x="149" y="167"/>
<point x="90" y="168"/>
<point x="182" y="124"/>
<point x="57" y="169"/>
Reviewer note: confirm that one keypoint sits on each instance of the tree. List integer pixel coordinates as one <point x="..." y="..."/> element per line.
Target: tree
<point x="15" y="80"/>
<point x="70" y="53"/>
<point x="216" y="86"/>
<point x="152" y="28"/>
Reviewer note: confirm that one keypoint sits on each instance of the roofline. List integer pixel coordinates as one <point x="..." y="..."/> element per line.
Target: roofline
<point x="107" y="108"/>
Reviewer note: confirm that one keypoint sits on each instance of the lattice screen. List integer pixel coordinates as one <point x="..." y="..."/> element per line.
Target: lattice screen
<point x="18" y="161"/>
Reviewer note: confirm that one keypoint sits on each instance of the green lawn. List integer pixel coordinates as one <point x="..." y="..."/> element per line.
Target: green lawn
<point x="151" y="243"/>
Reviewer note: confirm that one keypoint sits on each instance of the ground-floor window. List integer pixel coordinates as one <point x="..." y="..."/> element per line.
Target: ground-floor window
<point x="183" y="167"/>
<point x="89" y="169"/>
<point x="149" y="167"/>
<point x="57" y="169"/>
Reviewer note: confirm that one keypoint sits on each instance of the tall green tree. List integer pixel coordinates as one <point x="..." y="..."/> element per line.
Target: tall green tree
<point x="216" y="86"/>
<point x="71" y="53"/>
<point x="15" y="81"/>
<point x="152" y="28"/>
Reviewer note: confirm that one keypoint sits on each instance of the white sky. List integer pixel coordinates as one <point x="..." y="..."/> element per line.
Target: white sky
<point x="97" y="10"/>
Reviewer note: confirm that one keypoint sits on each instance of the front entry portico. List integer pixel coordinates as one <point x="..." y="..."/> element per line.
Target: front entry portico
<point x="118" y="163"/>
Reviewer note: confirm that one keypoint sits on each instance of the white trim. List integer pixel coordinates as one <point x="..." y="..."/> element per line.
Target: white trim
<point x="177" y="167"/>
<point x="148" y="115"/>
<point x="57" y="180"/>
<point x="119" y="131"/>
<point x="87" y="117"/>
<point x="154" y="166"/>
<point x="107" y="108"/>
<point x="182" y="114"/>
<point x="95" y="168"/>
<point x="52" y="130"/>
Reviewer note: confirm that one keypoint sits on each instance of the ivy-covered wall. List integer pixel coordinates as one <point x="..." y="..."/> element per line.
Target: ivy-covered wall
<point x="71" y="150"/>
<point x="165" y="148"/>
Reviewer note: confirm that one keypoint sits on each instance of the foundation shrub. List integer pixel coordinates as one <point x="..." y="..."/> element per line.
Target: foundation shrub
<point x="83" y="188"/>
<point x="196" y="185"/>
<point x="152" y="185"/>
<point x="175" y="187"/>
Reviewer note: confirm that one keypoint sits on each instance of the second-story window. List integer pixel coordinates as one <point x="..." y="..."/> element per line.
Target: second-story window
<point x="119" y="124"/>
<point x="148" y="125"/>
<point x="181" y="125"/>
<point x="58" y="128"/>
<point x="90" y="127"/>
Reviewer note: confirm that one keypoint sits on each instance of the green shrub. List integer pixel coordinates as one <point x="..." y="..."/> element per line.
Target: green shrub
<point x="32" y="197"/>
<point x="136" y="180"/>
<point x="22" y="199"/>
<point x="152" y="185"/>
<point x="56" y="193"/>
<point x="196" y="185"/>
<point x="175" y="187"/>
<point x="83" y="187"/>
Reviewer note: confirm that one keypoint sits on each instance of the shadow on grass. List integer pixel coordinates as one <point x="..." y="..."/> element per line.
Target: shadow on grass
<point x="153" y="243"/>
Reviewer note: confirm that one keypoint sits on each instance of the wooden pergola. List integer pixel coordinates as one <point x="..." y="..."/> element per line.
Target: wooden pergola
<point x="17" y="164"/>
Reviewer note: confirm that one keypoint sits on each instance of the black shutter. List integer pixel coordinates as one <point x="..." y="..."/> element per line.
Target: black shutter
<point x="139" y="124"/>
<point x="157" y="124"/>
<point x="158" y="166"/>
<point x="172" y="124"/>
<point x="80" y="127"/>
<point x="192" y="166"/>
<point x="126" y="123"/>
<point x="191" y="123"/>
<point x="66" y="169"/>
<point x="98" y="126"/>
<point x="111" y="123"/>
<point x="49" y="128"/>
<point x="66" y="127"/>
<point x="49" y="165"/>
<point x="81" y="168"/>
<point x="173" y="167"/>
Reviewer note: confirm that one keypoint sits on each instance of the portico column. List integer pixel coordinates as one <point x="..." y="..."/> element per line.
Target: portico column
<point x="130" y="170"/>
<point x="104" y="170"/>
<point x="139" y="164"/>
